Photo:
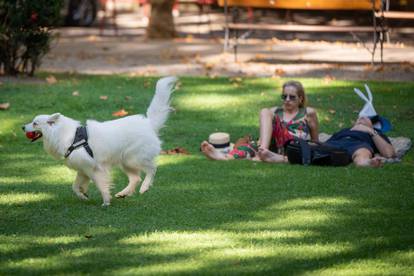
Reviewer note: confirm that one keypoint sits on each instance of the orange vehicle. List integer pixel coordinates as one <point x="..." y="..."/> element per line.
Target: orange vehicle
<point x="305" y="4"/>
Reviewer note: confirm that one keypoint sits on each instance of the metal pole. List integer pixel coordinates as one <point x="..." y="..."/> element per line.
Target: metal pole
<point x="375" y="33"/>
<point x="226" y="27"/>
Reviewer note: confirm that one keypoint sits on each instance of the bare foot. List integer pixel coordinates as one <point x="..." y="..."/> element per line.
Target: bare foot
<point x="271" y="157"/>
<point x="212" y="153"/>
<point x="375" y="162"/>
<point x="256" y="158"/>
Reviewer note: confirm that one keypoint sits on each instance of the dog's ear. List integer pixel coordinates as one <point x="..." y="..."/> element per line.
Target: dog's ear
<point x="53" y="118"/>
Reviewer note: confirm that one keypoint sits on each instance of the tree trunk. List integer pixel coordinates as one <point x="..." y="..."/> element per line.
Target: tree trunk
<point x="161" y="23"/>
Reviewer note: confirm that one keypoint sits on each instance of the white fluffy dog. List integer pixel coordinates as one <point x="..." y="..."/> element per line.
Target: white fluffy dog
<point x="131" y="142"/>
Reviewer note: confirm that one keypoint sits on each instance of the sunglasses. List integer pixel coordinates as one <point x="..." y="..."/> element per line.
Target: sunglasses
<point x="288" y="97"/>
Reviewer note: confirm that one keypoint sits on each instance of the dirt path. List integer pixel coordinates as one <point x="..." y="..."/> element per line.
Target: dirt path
<point x="92" y="54"/>
<point x="200" y="52"/>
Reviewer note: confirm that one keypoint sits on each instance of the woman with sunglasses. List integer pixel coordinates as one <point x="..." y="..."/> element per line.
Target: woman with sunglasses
<point x="278" y="125"/>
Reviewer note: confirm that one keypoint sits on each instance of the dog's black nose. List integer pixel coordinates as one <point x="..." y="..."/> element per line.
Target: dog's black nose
<point x="23" y="128"/>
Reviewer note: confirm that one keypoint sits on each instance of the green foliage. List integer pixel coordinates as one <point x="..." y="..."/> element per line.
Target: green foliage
<point x="202" y="216"/>
<point x="25" y="33"/>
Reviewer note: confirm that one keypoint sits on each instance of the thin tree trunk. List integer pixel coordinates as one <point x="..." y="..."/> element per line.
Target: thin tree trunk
<point x="161" y="23"/>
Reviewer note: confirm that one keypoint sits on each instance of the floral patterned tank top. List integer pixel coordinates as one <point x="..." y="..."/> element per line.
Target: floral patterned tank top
<point x="284" y="131"/>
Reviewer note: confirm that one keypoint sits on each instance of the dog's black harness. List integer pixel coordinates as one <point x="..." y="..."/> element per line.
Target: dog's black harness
<point x="80" y="140"/>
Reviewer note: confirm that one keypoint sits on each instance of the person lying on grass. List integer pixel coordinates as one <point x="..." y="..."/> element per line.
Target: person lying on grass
<point x="362" y="142"/>
<point x="278" y="125"/>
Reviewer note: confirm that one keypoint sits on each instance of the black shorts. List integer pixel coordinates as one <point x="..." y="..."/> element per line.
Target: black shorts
<point x="350" y="145"/>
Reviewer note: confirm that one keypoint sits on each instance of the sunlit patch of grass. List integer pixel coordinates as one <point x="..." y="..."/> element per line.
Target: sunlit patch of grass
<point x="213" y="102"/>
<point x="35" y="264"/>
<point x="168" y="160"/>
<point x="13" y="180"/>
<point x="225" y="247"/>
<point x="303" y="213"/>
<point x="9" y="124"/>
<point x="50" y="172"/>
<point x="227" y="243"/>
<point x="12" y="199"/>
<point x="44" y="240"/>
<point x="166" y="267"/>
<point x="57" y="173"/>
<point x="314" y="202"/>
<point x="398" y="263"/>
<point x="182" y="240"/>
<point x="16" y="243"/>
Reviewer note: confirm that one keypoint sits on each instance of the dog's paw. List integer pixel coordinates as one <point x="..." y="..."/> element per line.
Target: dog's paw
<point x="120" y="195"/>
<point x="106" y="204"/>
<point x="124" y="193"/>
<point x="143" y="189"/>
<point x="82" y="196"/>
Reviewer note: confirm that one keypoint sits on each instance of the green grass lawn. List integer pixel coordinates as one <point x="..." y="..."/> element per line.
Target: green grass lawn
<point x="201" y="216"/>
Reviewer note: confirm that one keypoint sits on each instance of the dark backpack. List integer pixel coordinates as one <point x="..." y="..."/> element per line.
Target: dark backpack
<point x="303" y="152"/>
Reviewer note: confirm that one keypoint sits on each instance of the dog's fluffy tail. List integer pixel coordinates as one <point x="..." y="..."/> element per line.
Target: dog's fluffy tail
<point x="159" y="109"/>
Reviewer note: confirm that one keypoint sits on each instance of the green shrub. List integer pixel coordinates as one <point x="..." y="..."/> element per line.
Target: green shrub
<point x="25" y="33"/>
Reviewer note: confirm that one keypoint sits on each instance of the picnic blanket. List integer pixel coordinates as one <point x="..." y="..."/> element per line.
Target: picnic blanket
<point x="400" y="144"/>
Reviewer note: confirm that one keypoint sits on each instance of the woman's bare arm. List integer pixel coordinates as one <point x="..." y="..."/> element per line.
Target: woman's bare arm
<point x="313" y="124"/>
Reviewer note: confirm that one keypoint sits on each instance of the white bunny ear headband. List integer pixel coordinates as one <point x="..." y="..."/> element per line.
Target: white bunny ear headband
<point x="369" y="111"/>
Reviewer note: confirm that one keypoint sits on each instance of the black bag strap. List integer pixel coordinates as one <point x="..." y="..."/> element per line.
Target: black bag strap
<point x="306" y="152"/>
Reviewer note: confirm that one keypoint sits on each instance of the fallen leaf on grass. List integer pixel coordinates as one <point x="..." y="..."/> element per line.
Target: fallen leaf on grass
<point x="51" y="80"/>
<point x="332" y="111"/>
<point x="368" y="68"/>
<point x="120" y="113"/>
<point x="4" y="106"/>
<point x="104" y="98"/>
<point x="177" y="150"/>
<point x="328" y="78"/>
<point x="279" y="72"/>
<point x="75" y="93"/>
<point x="208" y="66"/>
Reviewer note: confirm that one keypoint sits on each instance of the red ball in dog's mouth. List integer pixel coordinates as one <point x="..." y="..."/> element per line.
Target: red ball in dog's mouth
<point x="33" y="135"/>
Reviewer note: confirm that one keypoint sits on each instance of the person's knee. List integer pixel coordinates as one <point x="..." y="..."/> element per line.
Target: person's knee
<point x="362" y="162"/>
